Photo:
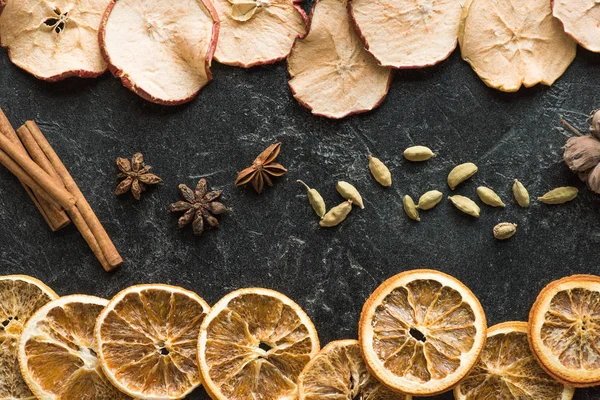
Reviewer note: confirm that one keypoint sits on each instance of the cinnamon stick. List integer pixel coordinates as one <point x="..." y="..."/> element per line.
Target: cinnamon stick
<point x="106" y="245"/>
<point x="38" y="155"/>
<point x="41" y="177"/>
<point x="53" y="215"/>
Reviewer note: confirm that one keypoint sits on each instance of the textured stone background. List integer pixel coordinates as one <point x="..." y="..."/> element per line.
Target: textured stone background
<point x="273" y="240"/>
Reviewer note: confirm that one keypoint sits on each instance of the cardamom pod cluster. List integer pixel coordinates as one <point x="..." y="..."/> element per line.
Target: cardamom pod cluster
<point x="582" y="155"/>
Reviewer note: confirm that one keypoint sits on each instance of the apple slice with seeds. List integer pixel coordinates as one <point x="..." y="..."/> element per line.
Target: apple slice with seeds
<point x="255" y="32"/>
<point x="53" y="40"/>
<point x="332" y="73"/>
<point x="161" y="50"/>
<point x="408" y="34"/>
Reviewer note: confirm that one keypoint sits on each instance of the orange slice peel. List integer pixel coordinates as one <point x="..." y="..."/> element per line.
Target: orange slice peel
<point x="20" y="297"/>
<point x="421" y="332"/>
<point x="564" y="330"/>
<point x="57" y="352"/>
<point x="147" y="337"/>
<point x="508" y="370"/>
<point x="253" y="344"/>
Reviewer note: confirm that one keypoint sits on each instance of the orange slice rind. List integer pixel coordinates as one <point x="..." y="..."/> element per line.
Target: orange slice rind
<point x="253" y="345"/>
<point x="338" y="372"/>
<point x="564" y="330"/>
<point x="20" y="297"/>
<point x="147" y="337"/>
<point x="57" y="352"/>
<point x="509" y="48"/>
<point x="508" y="370"/>
<point x="421" y="332"/>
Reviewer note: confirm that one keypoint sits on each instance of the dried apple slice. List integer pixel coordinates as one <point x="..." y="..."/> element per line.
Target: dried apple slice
<point x="255" y="32"/>
<point x="580" y="20"/>
<point x="332" y="73"/>
<point x="53" y="40"/>
<point x="508" y="49"/>
<point x="161" y="50"/>
<point x="408" y="34"/>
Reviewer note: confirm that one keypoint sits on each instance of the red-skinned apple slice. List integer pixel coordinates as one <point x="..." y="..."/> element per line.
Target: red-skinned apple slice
<point x="580" y="19"/>
<point x="53" y="40"/>
<point x="332" y="73"/>
<point x="255" y="32"/>
<point x="161" y="50"/>
<point x="509" y="48"/>
<point x="408" y="34"/>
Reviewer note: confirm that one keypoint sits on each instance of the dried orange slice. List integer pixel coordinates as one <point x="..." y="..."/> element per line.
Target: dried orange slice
<point x="53" y="40"/>
<point x="331" y="72"/>
<point x="338" y="372"/>
<point x="580" y="20"/>
<point x="508" y="370"/>
<point x="57" y="352"/>
<point x="147" y="337"/>
<point x="408" y="34"/>
<point x="20" y="297"/>
<point x="564" y="330"/>
<point x="255" y="32"/>
<point x="253" y="345"/>
<point x="421" y="332"/>
<point x="509" y="48"/>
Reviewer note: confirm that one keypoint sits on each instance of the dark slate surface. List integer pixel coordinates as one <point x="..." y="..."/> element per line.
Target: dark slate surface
<point x="273" y="240"/>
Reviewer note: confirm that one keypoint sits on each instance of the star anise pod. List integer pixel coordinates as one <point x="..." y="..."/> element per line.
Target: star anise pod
<point x="261" y="168"/>
<point x="200" y="207"/>
<point x="135" y="176"/>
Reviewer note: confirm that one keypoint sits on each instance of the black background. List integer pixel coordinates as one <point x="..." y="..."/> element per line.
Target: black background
<point x="273" y="240"/>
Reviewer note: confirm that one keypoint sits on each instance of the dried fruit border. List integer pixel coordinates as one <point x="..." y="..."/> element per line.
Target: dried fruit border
<point x="348" y="73"/>
<point x="277" y="336"/>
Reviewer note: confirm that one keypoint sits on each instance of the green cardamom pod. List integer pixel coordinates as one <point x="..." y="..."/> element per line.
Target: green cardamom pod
<point x="489" y="197"/>
<point x="521" y="194"/>
<point x="315" y="200"/>
<point x="349" y="192"/>
<point x="559" y="195"/>
<point x="380" y="172"/>
<point x="418" y="153"/>
<point x="505" y="230"/>
<point x="336" y="215"/>
<point x="429" y="200"/>
<point x="465" y="205"/>
<point x="410" y="208"/>
<point x="461" y="173"/>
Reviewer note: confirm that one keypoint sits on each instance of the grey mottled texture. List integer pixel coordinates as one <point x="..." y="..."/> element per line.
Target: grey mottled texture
<point x="273" y="240"/>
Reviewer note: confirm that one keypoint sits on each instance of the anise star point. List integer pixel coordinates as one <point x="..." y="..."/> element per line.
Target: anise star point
<point x="261" y="170"/>
<point x="135" y="176"/>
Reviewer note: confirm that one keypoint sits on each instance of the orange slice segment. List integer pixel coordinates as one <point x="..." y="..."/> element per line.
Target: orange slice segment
<point x="421" y="332"/>
<point x="564" y="330"/>
<point x="338" y="372"/>
<point x="57" y="352"/>
<point x="253" y="345"/>
<point x="508" y="370"/>
<point x="147" y="338"/>
<point x="20" y="297"/>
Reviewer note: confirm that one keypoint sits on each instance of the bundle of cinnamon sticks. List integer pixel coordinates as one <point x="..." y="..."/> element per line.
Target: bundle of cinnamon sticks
<point x="30" y="157"/>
